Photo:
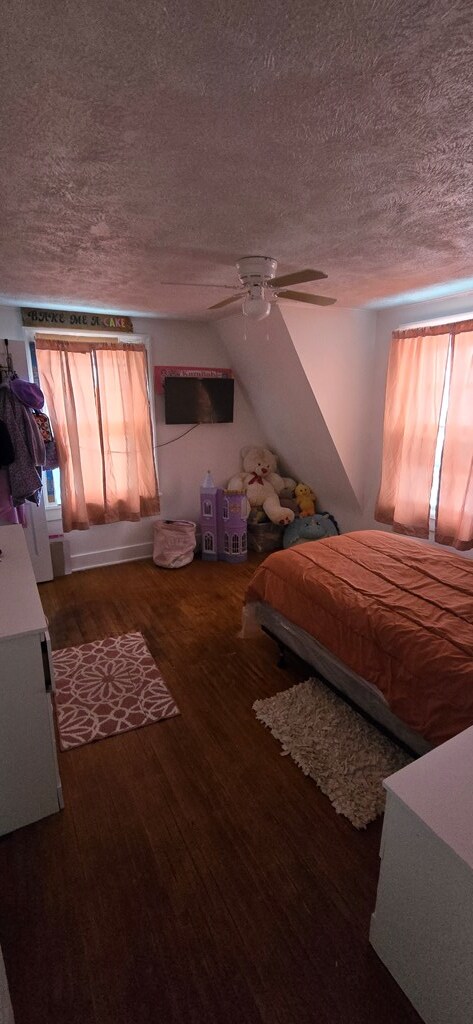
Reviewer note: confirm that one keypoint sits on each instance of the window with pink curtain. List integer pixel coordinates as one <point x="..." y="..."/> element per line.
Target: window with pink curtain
<point x="414" y="388"/>
<point x="417" y="382"/>
<point x="454" y="521"/>
<point x="97" y="398"/>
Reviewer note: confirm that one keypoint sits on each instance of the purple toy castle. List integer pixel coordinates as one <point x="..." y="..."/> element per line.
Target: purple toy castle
<point x="223" y="516"/>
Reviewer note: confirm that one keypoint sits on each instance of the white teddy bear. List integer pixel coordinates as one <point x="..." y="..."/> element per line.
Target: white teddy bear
<point x="262" y="484"/>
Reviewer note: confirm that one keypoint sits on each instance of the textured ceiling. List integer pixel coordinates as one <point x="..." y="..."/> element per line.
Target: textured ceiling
<point x="161" y="141"/>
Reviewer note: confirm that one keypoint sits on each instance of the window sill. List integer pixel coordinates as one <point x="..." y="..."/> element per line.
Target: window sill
<point x="53" y="511"/>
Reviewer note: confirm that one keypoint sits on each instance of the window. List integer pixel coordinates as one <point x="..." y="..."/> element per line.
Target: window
<point x="208" y="542"/>
<point x="235" y="544"/>
<point x="427" y="479"/>
<point x="51" y="477"/>
<point x="225" y="508"/>
<point x="102" y="426"/>
<point x="208" y="509"/>
<point x="434" y="492"/>
<point x="52" y="486"/>
<point x="226" y="544"/>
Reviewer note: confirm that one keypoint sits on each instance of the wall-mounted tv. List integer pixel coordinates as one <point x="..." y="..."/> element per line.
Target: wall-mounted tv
<point x="198" y="399"/>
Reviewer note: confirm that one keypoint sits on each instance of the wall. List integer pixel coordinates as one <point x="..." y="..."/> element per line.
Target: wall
<point x="308" y="373"/>
<point x="215" y="446"/>
<point x="181" y="464"/>
<point x="336" y="350"/>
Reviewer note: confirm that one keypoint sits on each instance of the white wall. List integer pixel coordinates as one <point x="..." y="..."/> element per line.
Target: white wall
<point x="310" y="372"/>
<point x="181" y="464"/>
<point x="10" y="324"/>
<point x="336" y="350"/>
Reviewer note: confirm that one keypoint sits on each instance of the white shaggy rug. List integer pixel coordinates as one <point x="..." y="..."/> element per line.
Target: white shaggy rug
<point x="346" y="756"/>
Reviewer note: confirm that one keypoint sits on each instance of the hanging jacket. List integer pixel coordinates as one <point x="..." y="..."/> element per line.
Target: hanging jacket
<point x="52" y="457"/>
<point x="7" y="452"/>
<point x="8" y="514"/>
<point x="32" y="430"/>
<point x="24" y="476"/>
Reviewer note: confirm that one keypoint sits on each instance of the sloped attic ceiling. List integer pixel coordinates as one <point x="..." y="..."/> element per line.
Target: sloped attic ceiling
<point x="158" y="142"/>
<point x="276" y="376"/>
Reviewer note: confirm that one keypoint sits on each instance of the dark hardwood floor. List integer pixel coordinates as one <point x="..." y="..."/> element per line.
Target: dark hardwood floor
<point x="195" y="875"/>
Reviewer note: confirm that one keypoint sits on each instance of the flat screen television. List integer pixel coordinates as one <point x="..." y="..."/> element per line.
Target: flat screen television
<point x="198" y="399"/>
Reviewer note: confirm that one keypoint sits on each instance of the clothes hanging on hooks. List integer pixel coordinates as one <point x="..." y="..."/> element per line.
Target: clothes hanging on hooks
<point x="24" y="474"/>
<point x="7" y="451"/>
<point x="26" y="442"/>
<point x="7" y="370"/>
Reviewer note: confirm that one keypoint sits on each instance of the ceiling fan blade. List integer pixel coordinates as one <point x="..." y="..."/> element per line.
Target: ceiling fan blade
<point x="299" y="277"/>
<point x="316" y="300"/>
<point x="226" y="302"/>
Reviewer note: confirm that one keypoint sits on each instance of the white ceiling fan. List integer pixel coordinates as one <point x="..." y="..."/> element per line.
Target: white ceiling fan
<point x="260" y="287"/>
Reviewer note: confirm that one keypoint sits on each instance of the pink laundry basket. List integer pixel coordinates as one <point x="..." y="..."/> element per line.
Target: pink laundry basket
<point x="174" y="543"/>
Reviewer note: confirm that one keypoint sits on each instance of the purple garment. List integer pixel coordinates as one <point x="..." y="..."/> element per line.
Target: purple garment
<point x="8" y="513"/>
<point x="28" y="393"/>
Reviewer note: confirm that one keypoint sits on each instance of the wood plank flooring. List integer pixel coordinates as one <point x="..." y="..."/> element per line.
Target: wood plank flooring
<point x="195" y="875"/>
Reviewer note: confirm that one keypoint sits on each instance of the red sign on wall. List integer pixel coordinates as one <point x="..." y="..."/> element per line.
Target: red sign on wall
<point x="161" y="372"/>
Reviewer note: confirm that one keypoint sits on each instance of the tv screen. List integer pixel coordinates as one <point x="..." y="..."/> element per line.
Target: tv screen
<point x="198" y="400"/>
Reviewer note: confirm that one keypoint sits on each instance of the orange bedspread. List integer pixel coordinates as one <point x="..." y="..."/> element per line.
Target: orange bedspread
<point x="396" y="611"/>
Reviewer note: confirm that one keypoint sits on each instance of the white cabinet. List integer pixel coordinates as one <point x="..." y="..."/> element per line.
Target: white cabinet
<point x="30" y="786"/>
<point x="422" y="927"/>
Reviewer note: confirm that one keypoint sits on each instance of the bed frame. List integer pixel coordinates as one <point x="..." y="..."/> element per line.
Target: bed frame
<point x="363" y="695"/>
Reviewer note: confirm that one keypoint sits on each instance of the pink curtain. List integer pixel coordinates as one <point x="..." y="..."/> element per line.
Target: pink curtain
<point x="415" y="381"/>
<point x="454" y="524"/>
<point x="97" y="398"/>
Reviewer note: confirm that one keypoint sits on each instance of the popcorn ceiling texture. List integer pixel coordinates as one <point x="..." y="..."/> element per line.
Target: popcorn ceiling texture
<point x="153" y="142"/>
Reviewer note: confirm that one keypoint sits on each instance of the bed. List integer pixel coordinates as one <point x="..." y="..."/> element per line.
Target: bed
<point x="386" y="619"/>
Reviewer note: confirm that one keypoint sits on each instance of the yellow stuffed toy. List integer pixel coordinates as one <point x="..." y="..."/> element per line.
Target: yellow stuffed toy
<point x="305" y="498"/>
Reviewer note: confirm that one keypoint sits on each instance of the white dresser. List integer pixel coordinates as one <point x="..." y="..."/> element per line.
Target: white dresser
<point x="30" y="787"/>
<point x="422" y="927"/>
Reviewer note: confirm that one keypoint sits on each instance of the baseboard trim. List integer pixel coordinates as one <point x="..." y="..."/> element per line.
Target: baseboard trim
<point x="111" y="556"/>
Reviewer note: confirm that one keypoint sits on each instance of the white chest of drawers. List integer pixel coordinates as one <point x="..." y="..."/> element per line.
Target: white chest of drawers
<point x="30" y="786"/>
<point x="422" y="927"/>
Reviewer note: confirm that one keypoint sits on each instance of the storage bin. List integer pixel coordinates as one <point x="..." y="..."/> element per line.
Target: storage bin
<point x="174" y="543"/>
<point x="265" y="537"/>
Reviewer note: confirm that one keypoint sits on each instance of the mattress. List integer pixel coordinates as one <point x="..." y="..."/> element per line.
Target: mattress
<point x="397" y="612"/>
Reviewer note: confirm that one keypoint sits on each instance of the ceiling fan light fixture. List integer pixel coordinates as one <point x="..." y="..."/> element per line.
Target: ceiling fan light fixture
<point x="256" y="309"/>
<point x="255" y="305"/>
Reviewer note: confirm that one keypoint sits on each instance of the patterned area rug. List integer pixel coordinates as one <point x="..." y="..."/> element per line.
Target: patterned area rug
<point x="107" y="687"/>
<point x="346" y="756"/>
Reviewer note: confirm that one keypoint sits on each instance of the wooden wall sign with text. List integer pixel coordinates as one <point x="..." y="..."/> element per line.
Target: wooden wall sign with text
<point x="161" y="372"/>
<point x="66" y="318"/>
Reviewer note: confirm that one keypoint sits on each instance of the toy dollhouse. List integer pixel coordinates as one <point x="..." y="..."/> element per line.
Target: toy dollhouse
<point x="223" y="516"/>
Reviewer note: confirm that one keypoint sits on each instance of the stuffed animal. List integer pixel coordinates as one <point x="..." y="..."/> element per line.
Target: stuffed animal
<point x="310" y="528"/>
<point x="305" y="499"/>
<point x="263" y="485"/>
